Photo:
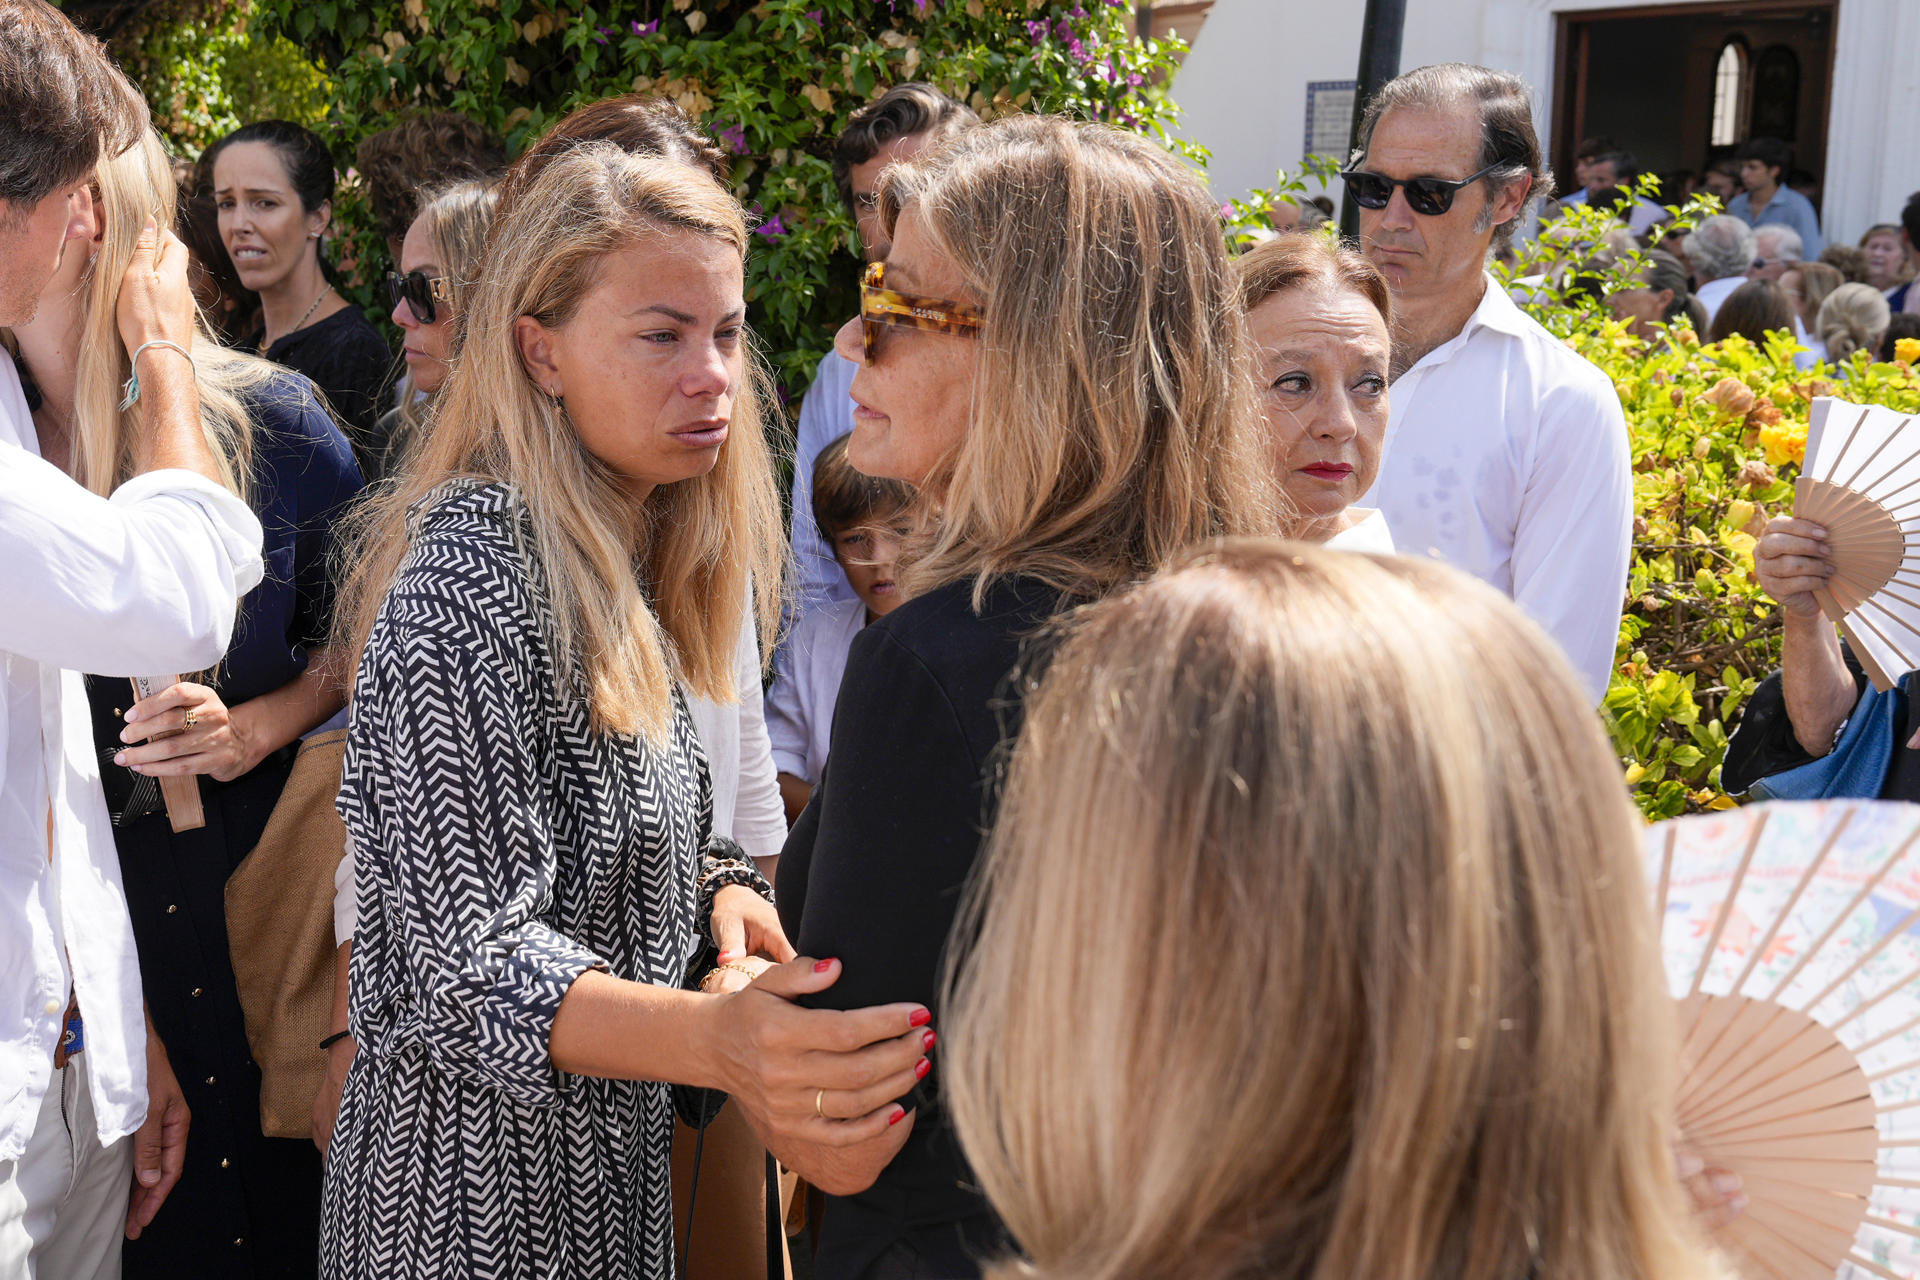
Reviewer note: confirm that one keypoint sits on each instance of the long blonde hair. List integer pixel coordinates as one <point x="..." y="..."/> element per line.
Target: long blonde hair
<point x="639" y="596"/>
<point x="133" y="186"/>
<point x="1114" y="419"/>
<point x="1387" y="1001"/>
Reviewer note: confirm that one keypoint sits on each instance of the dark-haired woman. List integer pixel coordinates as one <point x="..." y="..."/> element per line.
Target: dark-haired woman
<point x="273" y="190"/>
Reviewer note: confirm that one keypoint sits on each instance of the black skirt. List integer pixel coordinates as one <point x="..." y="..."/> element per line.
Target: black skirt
<point x="246" y="1205"/>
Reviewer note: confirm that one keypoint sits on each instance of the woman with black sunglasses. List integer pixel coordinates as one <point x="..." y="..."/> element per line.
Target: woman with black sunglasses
<point x="439" y="260"/>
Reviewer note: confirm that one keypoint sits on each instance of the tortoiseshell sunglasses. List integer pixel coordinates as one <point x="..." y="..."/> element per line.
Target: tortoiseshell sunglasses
<point x="880" y="305"/>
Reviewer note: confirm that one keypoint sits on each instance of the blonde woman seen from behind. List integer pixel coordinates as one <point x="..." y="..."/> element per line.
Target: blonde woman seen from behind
<point x="1852" y="318"/>
<point x="1352" y="994"/>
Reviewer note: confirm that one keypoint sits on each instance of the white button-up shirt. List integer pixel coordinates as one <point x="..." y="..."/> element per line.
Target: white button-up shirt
<point x="1506" y="456"/>
<point x="142" y="583"/>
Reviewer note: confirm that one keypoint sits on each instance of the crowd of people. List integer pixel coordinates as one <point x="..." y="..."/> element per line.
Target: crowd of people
<point x="1109" y="747"/>
<point x="1760" y="266"/>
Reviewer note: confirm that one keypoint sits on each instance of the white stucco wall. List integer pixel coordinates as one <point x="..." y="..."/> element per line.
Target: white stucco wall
<point x="1243" y="88"/>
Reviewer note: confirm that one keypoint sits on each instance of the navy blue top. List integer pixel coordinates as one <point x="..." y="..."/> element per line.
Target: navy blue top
<point x="304" y="475"/>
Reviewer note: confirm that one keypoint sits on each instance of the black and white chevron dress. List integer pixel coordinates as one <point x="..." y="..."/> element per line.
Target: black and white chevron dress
<point x="502" y="849"/>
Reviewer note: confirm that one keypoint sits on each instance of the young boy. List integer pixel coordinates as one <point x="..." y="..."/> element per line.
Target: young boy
<point x="862" y="519"/>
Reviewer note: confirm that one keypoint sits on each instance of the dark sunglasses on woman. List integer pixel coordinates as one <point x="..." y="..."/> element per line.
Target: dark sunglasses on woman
<point x="421" y="291"/>
<point x="1429" y="196"/>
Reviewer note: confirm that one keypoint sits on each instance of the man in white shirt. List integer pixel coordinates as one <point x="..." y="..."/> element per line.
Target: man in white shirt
<point x="896" y="126"/>
<point x="1505" y="453"/>
<point x="1721" y="252"/>
<point x="142" y="583"/>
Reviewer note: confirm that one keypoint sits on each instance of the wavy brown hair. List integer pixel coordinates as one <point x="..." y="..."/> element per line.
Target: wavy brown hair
<point x="1388" y="1001"/>
<point x="639" y="597"/>
<point x="1114" y="419"/>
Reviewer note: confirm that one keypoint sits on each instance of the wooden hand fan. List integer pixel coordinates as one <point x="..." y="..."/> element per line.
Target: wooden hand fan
<point x="1791" y="936"/>
<point x="1861" y="482"/>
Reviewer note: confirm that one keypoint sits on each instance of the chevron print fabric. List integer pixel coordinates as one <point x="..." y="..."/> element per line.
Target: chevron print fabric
<point x="503" y="849"/>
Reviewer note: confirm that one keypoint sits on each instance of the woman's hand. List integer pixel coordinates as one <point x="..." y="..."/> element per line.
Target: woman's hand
<point x="733" y="975"/>
<point x="744" y="924"/>
<point x="207" y="736"/>
<point x="818" y="1077"/>
<point x="1792" y="560"/>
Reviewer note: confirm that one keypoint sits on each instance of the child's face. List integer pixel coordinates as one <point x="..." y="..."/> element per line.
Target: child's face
<point x="867" y="553"/>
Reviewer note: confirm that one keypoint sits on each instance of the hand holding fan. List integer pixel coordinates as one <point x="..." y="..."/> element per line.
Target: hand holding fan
<point x="1861" y="483"/>
<point x="1791" y="935"/>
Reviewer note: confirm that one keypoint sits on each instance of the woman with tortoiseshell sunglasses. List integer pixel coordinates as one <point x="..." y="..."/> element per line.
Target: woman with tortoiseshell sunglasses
<point x="1054" y="356"/>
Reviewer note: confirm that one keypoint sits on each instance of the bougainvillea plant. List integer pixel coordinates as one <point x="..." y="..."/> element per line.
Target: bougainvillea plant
<point x="775" y="81"/>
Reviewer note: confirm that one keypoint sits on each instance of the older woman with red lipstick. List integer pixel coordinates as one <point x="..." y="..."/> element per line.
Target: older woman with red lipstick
<point x="1320" y="316"/>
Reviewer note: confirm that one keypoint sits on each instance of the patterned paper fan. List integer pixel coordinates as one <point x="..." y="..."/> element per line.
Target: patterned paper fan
<point x="1791" y="933"/>
<point x="1861" y="482"/>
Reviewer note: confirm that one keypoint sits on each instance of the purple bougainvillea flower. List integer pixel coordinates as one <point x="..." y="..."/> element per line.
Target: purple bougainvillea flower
<point x="813" y="16"/>
<point x="772" y="228"/>
<point x="1226" y="213"/>
<point x="735" y="137"/>
<point x="646" y="28"/>
<point x="600" y="34"/>
<point x="1062" y="30"/>
<point x="1037" y="31"/>
<point x="1076" y="12"/>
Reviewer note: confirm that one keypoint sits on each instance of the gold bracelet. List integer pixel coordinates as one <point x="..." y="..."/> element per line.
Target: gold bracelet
<point x="734" y="965"/>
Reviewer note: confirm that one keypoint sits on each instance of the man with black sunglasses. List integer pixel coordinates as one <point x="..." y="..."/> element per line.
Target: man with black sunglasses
<point x="1505" y="452"/>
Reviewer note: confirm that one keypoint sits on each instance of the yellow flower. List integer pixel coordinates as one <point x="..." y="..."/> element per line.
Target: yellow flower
<point x="1907" y="350"/>
<point x="1784" y="442"/>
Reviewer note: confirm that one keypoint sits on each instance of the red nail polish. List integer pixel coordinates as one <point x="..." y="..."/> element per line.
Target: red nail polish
<point x="927" y="1041"/>
<point x="896" y="1117"/>
<point x="921" y="1068"/>
<point x="821" y="966"/>
<point x="920" y="1018"/>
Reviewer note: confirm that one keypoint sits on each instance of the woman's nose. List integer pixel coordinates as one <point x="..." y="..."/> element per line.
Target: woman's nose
<point x="848" y="343"/>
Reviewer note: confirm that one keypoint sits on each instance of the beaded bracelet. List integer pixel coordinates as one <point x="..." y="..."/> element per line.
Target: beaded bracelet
<point x="130" y="393"/>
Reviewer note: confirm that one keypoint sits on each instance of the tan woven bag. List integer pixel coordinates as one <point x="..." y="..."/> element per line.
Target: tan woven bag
<point x="280" y="933"/>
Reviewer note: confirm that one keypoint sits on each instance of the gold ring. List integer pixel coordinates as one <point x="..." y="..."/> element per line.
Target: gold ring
<point x="819" y="1104"/>
<point x="193" y="718"/>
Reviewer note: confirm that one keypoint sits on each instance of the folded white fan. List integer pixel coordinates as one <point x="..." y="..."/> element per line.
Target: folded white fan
<point x="1861" y="482"/>
<point x="1791" y="935"/>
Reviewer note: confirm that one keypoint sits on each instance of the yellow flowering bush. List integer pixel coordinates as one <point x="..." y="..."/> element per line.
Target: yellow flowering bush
<point x="1717" y="434"/>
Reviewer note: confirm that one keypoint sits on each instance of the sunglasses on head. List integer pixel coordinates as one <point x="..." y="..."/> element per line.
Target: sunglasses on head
<point x="1429" y="196"/>
<point x="880" y="305"/>
<point x="420" y="291"/>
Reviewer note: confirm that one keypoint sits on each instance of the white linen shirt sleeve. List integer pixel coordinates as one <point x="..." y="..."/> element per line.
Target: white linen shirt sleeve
<point x="759" y="817"/>
<point x="1574" y="535"/>
<point x="142" y="583"/>
<point x="346" y="898"/>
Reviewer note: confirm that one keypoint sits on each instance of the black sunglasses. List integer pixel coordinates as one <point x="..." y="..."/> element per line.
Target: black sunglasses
<point x="421" y="291"/>
<point x="1429" y="196"/>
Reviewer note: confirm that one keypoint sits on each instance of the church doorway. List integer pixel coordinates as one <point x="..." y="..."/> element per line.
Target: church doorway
<point x="1682" y="85"/>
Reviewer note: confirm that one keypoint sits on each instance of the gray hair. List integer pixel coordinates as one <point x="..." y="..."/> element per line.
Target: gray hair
<point x="1785" y="242"/>
<point x="1720" y="247"/>
<point x="1508" y="142"/>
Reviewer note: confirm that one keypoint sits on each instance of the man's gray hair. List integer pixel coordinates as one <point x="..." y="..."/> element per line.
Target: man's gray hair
<point x="1777" y="244"/>
<point x="1720" y="247"/>
<point x="1507" y="137"/>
